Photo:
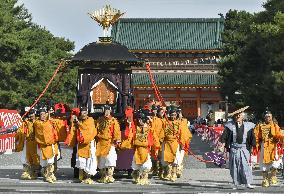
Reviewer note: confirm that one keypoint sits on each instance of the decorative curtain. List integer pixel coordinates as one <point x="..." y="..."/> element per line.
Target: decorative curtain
<point x="122" y="82"/>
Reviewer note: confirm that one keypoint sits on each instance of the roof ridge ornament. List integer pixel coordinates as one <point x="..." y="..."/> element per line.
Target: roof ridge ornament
<point x="106" y="17"/>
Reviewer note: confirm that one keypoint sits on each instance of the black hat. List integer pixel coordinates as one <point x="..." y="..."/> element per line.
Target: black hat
<point x="32" y="111"/>
<point x="83" y="109"/>
<point x="146" y="112"/>
<point x="159" y="108"/>
<point x="154" y="107"/>
<point x="168" y="108"/>
<point x="173" y="109"/>
<point x="267" y="112"/>
<point x="107" y="107"/>
<point x="178" y="109"/>
<point x="42" y="110"/>
<point x="141" y="115"/>
<point x="58" y="113"/>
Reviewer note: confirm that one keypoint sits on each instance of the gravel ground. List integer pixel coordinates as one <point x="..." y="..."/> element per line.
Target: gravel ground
<point x="198" y="147"/>
<point x="198" y="177"/>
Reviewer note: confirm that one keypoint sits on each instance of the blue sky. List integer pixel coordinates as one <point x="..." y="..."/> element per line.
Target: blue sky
<point x="69" y="19"/>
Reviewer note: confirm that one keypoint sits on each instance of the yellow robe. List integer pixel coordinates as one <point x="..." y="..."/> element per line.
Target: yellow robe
<point x="89" y="132"/>
<point x="45" y="136"/>
<point x="139" y="141"/>
<point x="157" y="126"/>
<point x="172" y="139"/>
<point x="269" y="135"/>
<point x="60" y="127"/>
<point x="141" y="145"/>
<point x="26" y="133"/>
<point x="108" y="133"/>
<point x="186" y="138"/>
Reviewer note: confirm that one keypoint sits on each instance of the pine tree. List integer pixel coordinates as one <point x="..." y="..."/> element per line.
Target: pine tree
<point x="29" y="54"/>
<point x="253" y="61"/>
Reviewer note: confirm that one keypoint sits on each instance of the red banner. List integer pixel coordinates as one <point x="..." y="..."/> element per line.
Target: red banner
<point x="7" y="142"/>
<point x="10" y="121"/>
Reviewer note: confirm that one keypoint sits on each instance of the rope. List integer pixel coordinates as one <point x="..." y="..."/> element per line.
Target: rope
<point x="45" y="89"/>
<point x="55" y="87"/>
<point x="198" y="158"/>
<point x="160" y="99"/>
<point x="157" y="92"/>
<point x="156" y="89"/>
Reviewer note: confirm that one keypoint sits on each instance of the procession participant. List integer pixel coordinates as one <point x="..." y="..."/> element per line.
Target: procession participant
<point x="60" y="122"/>
<point x="157" y="126"/>
<point x="140" y="138"/>
<point x="83" y="132"/>
<point x="26" y="144"/>
<point x="70" y="141"/>
<point x="46" y="138"/>
<point x="188" y="136"/>
<point x="268" y="134"/>
<point x="173" y="141"/>
<point x="60" y="125"/>
<point x="239" y="139"/>
<point x="129" y="120"/>
<point x="163" y="167"/>
<point x="108" y="138"/>
<point x="168" y="108"/>
<point x="154" y="110"/>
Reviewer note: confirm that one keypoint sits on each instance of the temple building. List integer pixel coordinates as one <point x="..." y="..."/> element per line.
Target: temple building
<point x="183" y="54"/>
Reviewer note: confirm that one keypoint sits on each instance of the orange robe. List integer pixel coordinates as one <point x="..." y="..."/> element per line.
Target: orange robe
<point x="157" y="126"/>
<point x="46" y="137"/>
<point x="108" y="133"/>
<point x="59" y="125"/>
<point x="269" y="135"/>
<point x="141" y="139"/>
<point x="26" y="133"/>
<point x="186" y="138"/>
<point x="88" y="131"/>
<point x="172" y="137"/>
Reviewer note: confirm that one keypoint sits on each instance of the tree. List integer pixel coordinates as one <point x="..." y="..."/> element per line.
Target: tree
<point x="253" y="60"/>
<point x="29" y="54"/>
<point x="234" y="39"/>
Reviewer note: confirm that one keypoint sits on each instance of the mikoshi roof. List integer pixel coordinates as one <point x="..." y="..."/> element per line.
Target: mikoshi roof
<point x="97" y="53"/>
<point x="177" y="79"/>
<point x="169" y="33"/>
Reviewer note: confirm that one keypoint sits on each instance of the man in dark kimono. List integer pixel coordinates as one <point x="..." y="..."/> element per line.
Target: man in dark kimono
<point x="239" y="139"/>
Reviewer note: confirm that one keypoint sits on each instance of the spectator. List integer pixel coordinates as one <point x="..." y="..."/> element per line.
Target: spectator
<point x="210" y="118"/>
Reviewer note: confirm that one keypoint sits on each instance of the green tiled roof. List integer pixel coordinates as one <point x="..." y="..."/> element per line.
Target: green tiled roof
<point x="169" y="33"/>
<point x="194" y="79"/>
